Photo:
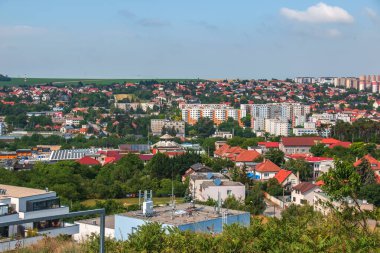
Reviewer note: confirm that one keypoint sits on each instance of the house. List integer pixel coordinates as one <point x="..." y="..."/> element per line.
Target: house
<point x="198" y="167"/>
<point x="285" y="177"/>
<point x="321" y="198"/>
<point x="246" y="158"/>
<point x="265" y="170"/>
<point x="89" y="161"/>
<point x="375" y="165"/>
<point x="266" y="145"/>
<point x="18" y="203"/>
<point x="298" y="145"/>
<point x="167" y="146"/>
<point x="303" y="193"/>
<point x="320" y="164"/>
<point x="203" y="186"/>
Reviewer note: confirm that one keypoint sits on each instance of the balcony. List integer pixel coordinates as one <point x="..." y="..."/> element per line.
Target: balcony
<point x="9" y="217"/>
<point x="64" y="229"/>
<point x="44" y="213"/>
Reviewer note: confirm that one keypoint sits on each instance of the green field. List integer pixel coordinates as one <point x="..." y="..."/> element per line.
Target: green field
<point x="132" y="201"/>
<point x="62" y="81"/>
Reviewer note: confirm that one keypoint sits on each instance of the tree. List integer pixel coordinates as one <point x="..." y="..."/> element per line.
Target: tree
<point x="341" y="184"/>
<point x="318" y="149"/>
<point x="273" y="187"/>
<point x="366" y="173"/>
<point x="299" y="166"/>
<point x="276" y="156"/>
<point x="371" y="193"/>
<point x="255" y="200"/>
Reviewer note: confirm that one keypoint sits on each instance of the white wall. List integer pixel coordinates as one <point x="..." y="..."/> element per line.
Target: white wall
<point x="86" y="230"/>
<point x="212" y="192"/>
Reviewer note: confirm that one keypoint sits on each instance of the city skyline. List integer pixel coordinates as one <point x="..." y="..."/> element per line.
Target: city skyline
<point x="208" y="39"/>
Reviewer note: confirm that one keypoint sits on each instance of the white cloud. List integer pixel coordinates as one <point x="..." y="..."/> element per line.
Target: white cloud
<point x="20" y="30"/>
<point x="319" y="13"/>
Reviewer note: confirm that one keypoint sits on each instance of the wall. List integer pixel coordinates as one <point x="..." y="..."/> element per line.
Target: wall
<point x="212" y="192"/>
<point x="215" y="225"/>
<point x="86" y="230"/>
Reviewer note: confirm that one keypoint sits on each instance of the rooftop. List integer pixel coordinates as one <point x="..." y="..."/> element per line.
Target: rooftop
<point x="20" y="192"/>
<point x="183" y="214"/>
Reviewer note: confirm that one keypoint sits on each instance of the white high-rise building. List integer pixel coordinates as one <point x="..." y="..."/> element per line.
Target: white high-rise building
<point x="277" y="127"/>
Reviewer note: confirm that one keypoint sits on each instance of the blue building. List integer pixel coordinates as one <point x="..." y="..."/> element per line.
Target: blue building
<point x="185" y="217"/>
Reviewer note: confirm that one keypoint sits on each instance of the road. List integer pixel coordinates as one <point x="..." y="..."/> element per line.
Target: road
<point x="272" y="210"/>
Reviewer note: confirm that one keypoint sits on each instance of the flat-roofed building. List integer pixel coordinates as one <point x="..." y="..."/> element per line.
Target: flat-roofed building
<point x="162" y="126"/>
<point x="19" y="203"/>
<point x="185" y="217"/>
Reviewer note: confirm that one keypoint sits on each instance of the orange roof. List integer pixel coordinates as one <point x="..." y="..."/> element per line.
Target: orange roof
<point x="375" y="164"/>
<point x="329" y="141"/>
<point x="267" y="166"/>
<point x="86" y="160"/>
<point x="344" y="144"/>
<point x="247" y="156"/>
<point x="282" y="175"/>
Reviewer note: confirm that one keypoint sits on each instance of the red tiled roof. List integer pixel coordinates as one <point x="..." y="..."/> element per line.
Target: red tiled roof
<point x="247" y="156"/>
<point x="375" y="164"/>
<point x="298" y="156"/>
<point x="319" y="183"/>
<point x="146" y="157"/>
<point x="329" y="141"/>
<point x="304" y="187"/>
<point x="108" y="160"/>
<point x="300" y="141"/>
<point x="344" y="144"/>
<point x="267" y="166"/>
<point x="86" y="160"/>
<point x="318" y="159"/>
<point x="269" y="144"/>
<point x="282" y="175"/>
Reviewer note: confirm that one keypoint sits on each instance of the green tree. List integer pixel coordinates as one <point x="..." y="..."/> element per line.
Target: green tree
<point x="299" y="166"/>
<point x="318" y="149"/>
<point x="366" y="173"/>
<point x="276" y="156"/>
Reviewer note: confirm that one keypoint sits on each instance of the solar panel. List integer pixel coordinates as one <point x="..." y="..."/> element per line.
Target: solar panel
<point x="217" y="182"/>
<point x="209" y="175"/>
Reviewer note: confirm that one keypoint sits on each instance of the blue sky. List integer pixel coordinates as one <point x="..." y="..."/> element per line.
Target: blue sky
<point x="189" y="39"/>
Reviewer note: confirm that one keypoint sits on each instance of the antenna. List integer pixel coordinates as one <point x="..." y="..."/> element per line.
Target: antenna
<point x="219" y="203"/>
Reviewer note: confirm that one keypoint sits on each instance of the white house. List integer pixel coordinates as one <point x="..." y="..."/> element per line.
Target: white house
<point x="286" y="177"/>
<point x="207" y="185"/>
<point x="18" y="203"/>
<point x="265" y="170"/>
<point x="303" y="193"/>
<point x="321" y="198"/>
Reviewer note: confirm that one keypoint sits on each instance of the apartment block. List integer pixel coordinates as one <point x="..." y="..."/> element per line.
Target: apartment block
<point x="277" y="127"/>
<point x="158" y="125"/>
<point x="218" y="113"/>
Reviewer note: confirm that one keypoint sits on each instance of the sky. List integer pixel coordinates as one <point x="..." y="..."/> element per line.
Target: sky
<point x="189" y="39"/>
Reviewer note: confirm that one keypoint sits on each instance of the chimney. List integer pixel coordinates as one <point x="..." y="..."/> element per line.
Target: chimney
<point x="298" y="177"/>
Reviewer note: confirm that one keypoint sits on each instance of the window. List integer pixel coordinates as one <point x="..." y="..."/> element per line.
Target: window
<point x="229" y="192"/>
<point x="303" y="201"/>
<point x="294" y="199"/>
<point x="266" y="174"/>
<point x="134" y="229"/>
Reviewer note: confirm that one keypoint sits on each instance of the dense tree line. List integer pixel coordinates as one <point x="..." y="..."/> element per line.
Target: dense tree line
<point x="75" y="182"/>
<point x="362" y="130"/>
